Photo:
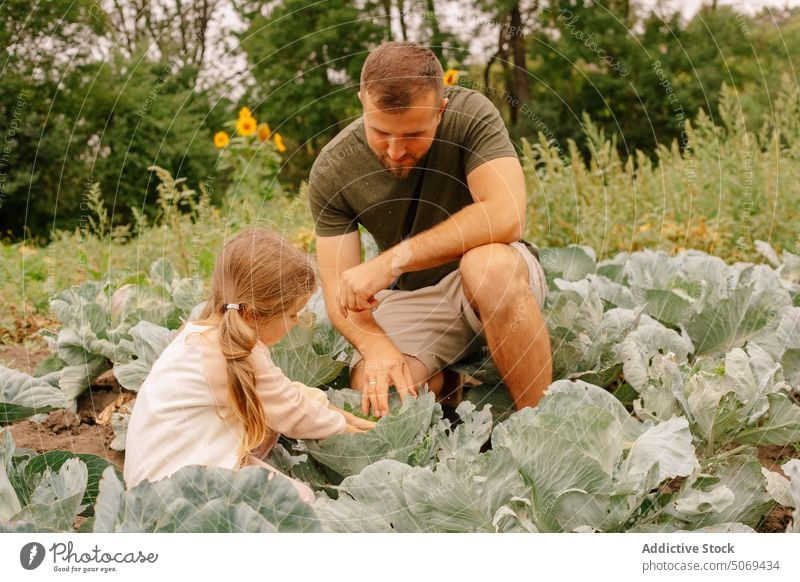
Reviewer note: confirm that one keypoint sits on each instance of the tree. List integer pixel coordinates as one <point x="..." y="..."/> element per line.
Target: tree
<point x="40" y="42"/>
<point x="516" y="21"/>
<point x="306" y="60"/>
<point x="79" y="116"/>
<point x="170" y="28"/>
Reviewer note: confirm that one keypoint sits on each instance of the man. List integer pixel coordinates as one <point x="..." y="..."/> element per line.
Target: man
<point x="431" y="173"/>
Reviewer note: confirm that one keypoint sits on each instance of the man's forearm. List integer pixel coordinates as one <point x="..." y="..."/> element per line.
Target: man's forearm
<point x="475" y="225"/>
<point x="359" y="328"/>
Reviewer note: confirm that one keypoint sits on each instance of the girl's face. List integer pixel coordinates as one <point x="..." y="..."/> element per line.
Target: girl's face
<point x="272" y="331"/>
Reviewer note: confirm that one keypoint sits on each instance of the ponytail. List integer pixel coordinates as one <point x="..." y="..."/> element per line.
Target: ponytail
<point x="237" y="340"/>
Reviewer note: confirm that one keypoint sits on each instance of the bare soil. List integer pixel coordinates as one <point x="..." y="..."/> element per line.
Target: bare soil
<point x="87" y="431"/>
<point x="24" y="356"/>
<point x="771" y="458"/>
<point x="24" y="323"/>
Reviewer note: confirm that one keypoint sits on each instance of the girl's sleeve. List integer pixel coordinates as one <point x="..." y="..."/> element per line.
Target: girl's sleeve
<point x="313" y="393"/>
<point x="288" y="409"/>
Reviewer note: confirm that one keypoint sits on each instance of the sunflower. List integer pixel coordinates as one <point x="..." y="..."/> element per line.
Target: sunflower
<point x="244" y="113"/>
<point x="221" y="139"/>
<point x="246" y="125"/>
<point x="451" y="77"/>
<point x="279" y="142"/>
<point x="264" y="132"/>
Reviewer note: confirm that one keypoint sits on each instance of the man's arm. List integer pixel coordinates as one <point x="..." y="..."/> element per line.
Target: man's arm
<point x="496" y="216"/>
<point x="384" y="364"/>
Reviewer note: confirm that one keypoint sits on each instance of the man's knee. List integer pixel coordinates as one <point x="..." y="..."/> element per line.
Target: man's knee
<point x="493" y="276"/>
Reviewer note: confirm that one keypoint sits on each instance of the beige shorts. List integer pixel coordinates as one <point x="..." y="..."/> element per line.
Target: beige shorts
<point x="436" y="324"/>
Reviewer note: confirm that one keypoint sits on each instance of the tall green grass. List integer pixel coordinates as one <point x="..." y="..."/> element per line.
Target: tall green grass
<point x="719" y="193"/>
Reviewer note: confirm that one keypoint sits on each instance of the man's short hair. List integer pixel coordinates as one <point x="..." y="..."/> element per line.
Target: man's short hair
<point x="395" y="73"/>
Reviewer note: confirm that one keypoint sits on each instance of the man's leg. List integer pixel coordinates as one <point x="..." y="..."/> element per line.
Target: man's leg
<point x="497" y="285"/>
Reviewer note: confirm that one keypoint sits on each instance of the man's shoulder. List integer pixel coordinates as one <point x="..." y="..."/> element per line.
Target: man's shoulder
<point x="466" y="109"/>
<point x="346" y="143"/>
<point x="462" y="98"/>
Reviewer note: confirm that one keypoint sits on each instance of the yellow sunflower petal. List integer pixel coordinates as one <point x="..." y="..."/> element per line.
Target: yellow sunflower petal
<point x="279" y="142"/>
<point x="451" y="77"/>
<point x="264" y="132"/>
<point x="221" y="139"/>
<point x="246" y="126"/>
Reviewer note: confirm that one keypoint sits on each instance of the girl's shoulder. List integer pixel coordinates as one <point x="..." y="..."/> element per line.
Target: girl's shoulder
<point x="194" y="330"/>
<point x="204" y="334"/>
<point x="208" y="333"/>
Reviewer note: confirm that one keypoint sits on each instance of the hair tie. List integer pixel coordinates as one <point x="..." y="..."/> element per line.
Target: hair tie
<point x="232" y="306"/>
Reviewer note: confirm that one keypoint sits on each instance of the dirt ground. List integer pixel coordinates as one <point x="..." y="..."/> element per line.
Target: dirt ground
<point x="771" y="458"/>
<point x="79" y="433"/>
<point x="64" y="430"/>
<point x="24" y="356"/>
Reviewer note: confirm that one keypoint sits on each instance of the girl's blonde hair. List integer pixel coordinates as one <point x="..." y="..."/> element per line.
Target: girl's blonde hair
<point x="266" y="276"/>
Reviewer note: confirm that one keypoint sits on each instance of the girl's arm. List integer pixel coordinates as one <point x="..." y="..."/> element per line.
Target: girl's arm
<point x="354" y="423"/>
<point x="287" y="409"/>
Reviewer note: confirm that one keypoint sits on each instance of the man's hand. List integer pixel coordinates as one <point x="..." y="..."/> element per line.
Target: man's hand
<point x="381" y="369"/>
<point x="358" y="285"/>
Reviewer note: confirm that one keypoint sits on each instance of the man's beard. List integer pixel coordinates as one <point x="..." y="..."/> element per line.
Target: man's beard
<point x="401" y="172"/>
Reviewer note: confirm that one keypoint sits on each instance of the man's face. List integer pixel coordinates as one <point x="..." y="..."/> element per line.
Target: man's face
<point x="401" y="138"/>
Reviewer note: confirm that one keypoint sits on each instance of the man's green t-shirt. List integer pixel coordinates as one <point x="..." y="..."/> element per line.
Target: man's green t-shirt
<point x="349" y="186"/>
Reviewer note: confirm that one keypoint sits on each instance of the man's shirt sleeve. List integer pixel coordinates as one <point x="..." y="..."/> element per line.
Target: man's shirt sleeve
<point x="331" y="213"/>
<point x="485" y="136"/>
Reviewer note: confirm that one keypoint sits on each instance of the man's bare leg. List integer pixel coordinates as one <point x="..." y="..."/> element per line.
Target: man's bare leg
<point x="496" y="283"/>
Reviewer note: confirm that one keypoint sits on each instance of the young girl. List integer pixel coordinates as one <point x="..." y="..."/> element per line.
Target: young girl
<point x="214" y="397"/>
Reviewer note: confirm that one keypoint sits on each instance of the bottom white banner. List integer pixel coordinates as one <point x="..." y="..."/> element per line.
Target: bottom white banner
<point x="348" y="557"/>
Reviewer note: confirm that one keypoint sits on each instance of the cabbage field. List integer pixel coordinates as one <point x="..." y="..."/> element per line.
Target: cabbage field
<point x="673" y="374"/>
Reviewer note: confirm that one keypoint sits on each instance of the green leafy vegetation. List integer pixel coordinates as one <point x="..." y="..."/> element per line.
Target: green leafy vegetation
<point x="660" y="191"/>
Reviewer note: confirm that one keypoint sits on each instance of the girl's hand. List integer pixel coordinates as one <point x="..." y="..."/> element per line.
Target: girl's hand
<point x="360" y="423"/>
<point x="349" y="428"/>
<point x="354" y="423"/>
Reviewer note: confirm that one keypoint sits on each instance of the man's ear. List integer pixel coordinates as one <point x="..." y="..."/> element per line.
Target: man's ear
<point x="359" y="97"/>
<point x="445" y="101"/>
